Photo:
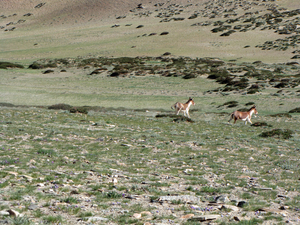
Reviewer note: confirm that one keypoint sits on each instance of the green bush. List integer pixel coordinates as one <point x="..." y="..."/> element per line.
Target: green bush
<point x="279" y="133"/>
<point x="5" y="65"/>
<point x="82" y="109"/>
<point x="295" y="110"/>
<point x="60" y="106"/>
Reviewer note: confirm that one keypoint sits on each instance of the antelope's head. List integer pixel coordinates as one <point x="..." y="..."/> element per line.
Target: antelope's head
<point x="192" y="101"/>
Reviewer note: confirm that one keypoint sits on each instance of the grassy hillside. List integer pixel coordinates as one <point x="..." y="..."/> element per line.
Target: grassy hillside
<point x="87" y="134"/>
<point x="123" y="28"/>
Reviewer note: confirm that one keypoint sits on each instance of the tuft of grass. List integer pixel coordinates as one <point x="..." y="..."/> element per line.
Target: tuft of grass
<point x="70" y="200"/>
<point x="112" y="195"/>
<point x="49" y="152"/>
<point x="53" y="219"/>
<point x="24" y="220"/>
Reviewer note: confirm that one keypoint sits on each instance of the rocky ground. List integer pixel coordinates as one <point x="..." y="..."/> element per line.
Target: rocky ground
<point x="122" y="167"/>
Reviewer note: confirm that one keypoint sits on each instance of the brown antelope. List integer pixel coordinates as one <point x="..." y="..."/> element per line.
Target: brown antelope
<point x="245" y="116"/>
<point x="183" y="107"/>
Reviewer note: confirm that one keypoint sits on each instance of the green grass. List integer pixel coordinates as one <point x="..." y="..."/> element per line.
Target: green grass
<point x="53" y="219"/>
<point x="78" y="156"/>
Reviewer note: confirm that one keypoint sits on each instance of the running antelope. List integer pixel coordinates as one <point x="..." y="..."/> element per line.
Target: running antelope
<point x="245" y="116"/>
<point x="183" y="107"/>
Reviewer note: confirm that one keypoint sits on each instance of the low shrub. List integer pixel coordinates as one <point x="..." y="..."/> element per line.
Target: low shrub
<point x="60" y="107"/>
<point x="81" y="109"/>
<point x="37" y="65"/>
<point x="260" y="124"/>
<point x="4" y="104"/>
<point x="190" y="76"/>
<point x="48" y="71"/>
<point x="5" y="65"/>
<point x="278" y="133"/>
<point x="231" y="104"/>
<point x="281" y="115"/>
<point x="295" y="110"/>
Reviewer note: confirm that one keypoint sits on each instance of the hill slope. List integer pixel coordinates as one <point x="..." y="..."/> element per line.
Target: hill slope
<point x="231" y="30"/>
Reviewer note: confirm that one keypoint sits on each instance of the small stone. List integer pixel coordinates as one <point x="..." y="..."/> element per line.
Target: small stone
<point x="241" y="204"/>
<point x="188" y="171"/>
<point x="33" y="207"/>
<point x="13" y="173"/>
<point x="29" y="179"/>
<point x="243" y="177"/>
<point x="4" y="213"/>
<point x="281" y="196"/>
<point x="14" y="213"/>
<point x="126" y="145"/>
<point x="74" y="192"/>
<point x="183" y="198"/>
<point x="187" y="216"/>
<point x="31" y="162"/>
<point x="267" y="189"/>
<point x="236" y="218"/>
<point x="137" y="215"/>
<point x="231" y="207"/>
<point x="204" y="218"/>
<point x="146" y="213"/>
<point x="96" y="218"/>
<point x="222" y="199"/>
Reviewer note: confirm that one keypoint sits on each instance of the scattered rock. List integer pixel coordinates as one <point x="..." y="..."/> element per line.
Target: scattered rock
<point x="188" y="216"/>
<point x="230" y="207"/>
<point x="33" y="207"/>
<point x="182" y="198"/>
<point x="48" y="71"/>
<point x="222" y="199"/>
<point x="14" y="213"/>
<point x="204" y="218"/>
<point x="241" y="204"/>
<point x="164" y="33"/>
<point x="96" y="218"/>
<point x="4" y="213"/>
<point x="137" y="215"/>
